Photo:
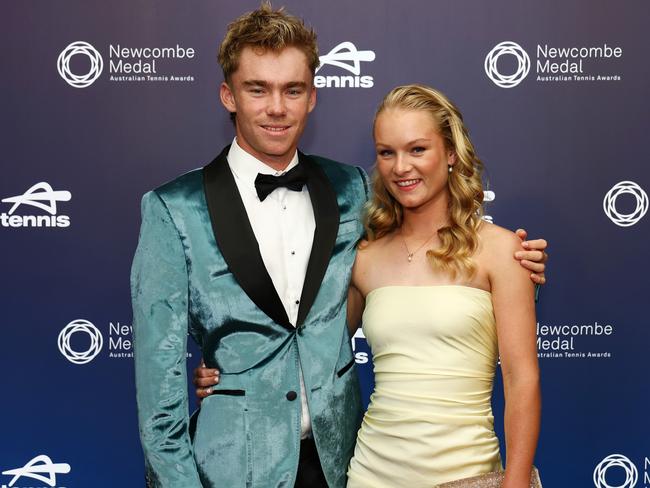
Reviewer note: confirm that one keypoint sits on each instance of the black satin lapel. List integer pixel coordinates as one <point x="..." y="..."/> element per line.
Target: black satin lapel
<point x="236" y="240"/>
<point x="326" y="216"/>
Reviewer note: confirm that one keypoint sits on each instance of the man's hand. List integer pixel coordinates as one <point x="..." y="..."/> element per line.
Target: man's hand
<point x="534" y="257"/>
<point x="204" y="380"/>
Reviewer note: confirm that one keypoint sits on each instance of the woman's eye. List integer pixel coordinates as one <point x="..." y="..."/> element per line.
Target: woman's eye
<point x="418" y="149"/>
<point x="384" y="153"/>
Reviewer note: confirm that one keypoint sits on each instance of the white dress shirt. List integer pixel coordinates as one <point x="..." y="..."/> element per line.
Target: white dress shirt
<point x="284" y="226"/>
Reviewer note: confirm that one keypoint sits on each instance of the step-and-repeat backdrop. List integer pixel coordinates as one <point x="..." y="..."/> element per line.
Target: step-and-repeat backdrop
<point x="102" y="101"/>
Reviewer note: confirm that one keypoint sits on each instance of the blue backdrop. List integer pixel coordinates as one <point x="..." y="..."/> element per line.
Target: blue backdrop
<point x="556" y="96"/>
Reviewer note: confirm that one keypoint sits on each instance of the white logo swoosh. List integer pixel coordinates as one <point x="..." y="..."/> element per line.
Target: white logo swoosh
<point x="346" y="51"/>
<point x="31" y="469"/>
<point x="39" y="192"/>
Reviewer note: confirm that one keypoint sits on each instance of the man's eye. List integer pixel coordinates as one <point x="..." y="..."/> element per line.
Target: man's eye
<point x="294" y="91"/>
<point x="256" y="91"/>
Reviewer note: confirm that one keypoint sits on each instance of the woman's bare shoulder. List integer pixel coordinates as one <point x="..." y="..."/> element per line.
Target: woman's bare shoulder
<point x="495" y="238"/>
<point x="370" y="247"/>
<point x="370" y="255"/>
<point x="498" y="245"/>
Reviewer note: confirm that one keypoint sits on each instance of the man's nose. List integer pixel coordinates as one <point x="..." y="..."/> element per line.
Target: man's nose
<point x="277" y="105"/>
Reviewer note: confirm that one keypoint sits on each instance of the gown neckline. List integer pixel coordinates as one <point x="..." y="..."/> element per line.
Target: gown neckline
<point x="481" y="290"/>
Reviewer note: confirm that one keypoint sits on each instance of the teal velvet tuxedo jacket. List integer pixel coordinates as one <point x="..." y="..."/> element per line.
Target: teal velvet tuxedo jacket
<point x="198" y="270"/>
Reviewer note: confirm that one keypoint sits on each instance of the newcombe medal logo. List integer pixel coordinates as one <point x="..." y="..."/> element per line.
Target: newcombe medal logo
<point x="620" y="463"/>
<point x="508" y="64"/>
<point x="80" y="80"/>
<point x="82" y="356"/>
<point x="640" y="208"/>
<point x="507" y="48"/>
<point x="80" y="64"/>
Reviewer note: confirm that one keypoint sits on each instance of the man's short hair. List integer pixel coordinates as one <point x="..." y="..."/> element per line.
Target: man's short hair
<point x="266" y="28"/>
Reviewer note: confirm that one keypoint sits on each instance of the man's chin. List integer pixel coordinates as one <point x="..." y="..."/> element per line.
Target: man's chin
<point x="278" y="152"/>
<point x="274" y="155"/>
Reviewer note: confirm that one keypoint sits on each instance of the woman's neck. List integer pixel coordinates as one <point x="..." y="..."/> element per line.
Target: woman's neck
<point x="423" y="220"/>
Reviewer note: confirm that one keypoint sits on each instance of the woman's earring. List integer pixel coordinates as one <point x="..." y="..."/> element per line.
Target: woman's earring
<point x="451" y="168"/>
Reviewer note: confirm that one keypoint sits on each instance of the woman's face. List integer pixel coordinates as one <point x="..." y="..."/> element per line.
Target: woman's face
<point x="412" y="160"/>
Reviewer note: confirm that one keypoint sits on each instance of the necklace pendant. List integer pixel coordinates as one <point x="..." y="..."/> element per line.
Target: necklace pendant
<point x="410" y="257"/>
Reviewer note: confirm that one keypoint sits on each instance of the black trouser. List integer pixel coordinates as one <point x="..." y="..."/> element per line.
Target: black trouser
<point x="310" y="473"/>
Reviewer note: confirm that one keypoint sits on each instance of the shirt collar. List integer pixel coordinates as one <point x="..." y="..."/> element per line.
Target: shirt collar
<point x="246" y="167"/>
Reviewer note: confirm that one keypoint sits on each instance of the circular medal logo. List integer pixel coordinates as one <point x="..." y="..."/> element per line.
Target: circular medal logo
<point x="80" y="80"/>
<point x="523" y="64"/>
<point x="625" y="188"/>
<point x="80" y="357"/>
<point x="620" y="461"/>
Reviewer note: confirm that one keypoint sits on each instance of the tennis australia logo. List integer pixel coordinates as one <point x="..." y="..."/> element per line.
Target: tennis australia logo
<point x="41" y="196"/>
<point x="553" y="64"/>
<point x="81" y="356"/>
<point x="619" y="463"/>
<point x="347" y="57"/>
<point x="40" y="468"/>
<point x="625" y="188"/>
<point x="507" y="80"/>
<point x="360" y="356"/>
<point x="80" y="80"/>
<point x="488" y="196"/>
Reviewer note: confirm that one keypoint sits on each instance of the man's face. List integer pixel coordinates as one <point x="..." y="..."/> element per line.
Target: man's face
<point x="272" y="94"/>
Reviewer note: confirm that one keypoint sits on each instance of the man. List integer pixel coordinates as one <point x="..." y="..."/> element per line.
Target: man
<point x="252" y="255"/>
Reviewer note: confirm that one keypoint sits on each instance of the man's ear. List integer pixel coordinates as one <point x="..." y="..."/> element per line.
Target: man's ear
<point x="227" y="97"/>
<point x="312" y="99"/>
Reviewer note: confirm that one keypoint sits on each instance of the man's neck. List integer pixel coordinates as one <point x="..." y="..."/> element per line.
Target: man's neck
<point x="278" y="163"/>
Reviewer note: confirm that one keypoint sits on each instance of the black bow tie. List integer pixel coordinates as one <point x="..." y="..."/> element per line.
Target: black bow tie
<point x="293" y="179"/>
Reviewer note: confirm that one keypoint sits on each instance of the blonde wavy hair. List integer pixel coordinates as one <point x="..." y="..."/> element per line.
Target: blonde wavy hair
<point x="459" y="239"/>
<point x="266" y="29"/>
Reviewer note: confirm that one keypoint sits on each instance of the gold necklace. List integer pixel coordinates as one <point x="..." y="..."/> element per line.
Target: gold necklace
<point x="409" y="254"/>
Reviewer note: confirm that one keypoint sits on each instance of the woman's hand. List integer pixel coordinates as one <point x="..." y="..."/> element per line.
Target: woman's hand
<point x="204" y="379"/>
<point x="534" y="257"/>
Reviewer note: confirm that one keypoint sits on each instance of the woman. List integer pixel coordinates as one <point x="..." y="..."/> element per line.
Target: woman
<point x="439" y="292"/>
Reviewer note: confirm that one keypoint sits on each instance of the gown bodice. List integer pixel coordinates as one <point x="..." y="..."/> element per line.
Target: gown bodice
<point x="430" y="417"/>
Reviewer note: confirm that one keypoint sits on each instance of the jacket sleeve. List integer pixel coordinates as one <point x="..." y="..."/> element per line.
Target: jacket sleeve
<point x="159" y="293"/>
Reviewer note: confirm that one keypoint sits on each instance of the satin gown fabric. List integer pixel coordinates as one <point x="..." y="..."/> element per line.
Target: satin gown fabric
<point x="430" y="417"/>
<point x="197" y="270"/>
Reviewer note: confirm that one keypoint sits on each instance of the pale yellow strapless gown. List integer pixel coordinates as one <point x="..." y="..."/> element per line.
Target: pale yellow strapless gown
<point x="430" y="417"/>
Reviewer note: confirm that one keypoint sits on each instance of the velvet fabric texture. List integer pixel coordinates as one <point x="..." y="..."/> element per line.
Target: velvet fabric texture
<point x="197" y="270"/>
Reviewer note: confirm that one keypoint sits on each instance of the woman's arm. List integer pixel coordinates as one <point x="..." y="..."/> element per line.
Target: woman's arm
<point x="514" y="309"/>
